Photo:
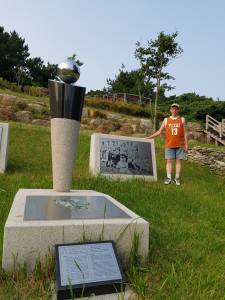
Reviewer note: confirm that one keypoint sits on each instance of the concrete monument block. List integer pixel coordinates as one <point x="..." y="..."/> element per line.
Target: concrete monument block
<point x="122" y="157"/>
<point x="4" y="142"/>
<point x="40" y="219"/>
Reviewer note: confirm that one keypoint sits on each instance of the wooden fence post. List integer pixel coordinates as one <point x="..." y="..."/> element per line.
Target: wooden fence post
<point x="220" y="129"/>
<point x="223" y="124"/>
<point x="223" y="127"/>
<point x="206" y="122"/>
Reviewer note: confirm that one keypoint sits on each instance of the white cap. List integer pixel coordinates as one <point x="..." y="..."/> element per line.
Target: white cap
<point x="175" y="104"/>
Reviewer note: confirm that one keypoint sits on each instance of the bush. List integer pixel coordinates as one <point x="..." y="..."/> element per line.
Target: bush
<point x="135" y="110"/>
<point x="129" y="109"/>
<point x="35" y="91"/>
<point x="193" y="107"/>
<point x="215" y="110"/>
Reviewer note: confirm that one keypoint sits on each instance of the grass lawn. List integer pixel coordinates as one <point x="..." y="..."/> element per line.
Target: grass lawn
<point x="187" y="223"/>
<point x="24" y="96"/>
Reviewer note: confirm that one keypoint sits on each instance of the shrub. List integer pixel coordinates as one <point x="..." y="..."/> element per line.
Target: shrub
<point x="125" y="108"/>
<point x="30" y="90"/>
<point x="129" y="109"/>
<point x="215" y="110"/>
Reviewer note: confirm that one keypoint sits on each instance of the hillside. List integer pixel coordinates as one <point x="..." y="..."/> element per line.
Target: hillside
<point x="186" y="223"/>
<point x="99" y="115"/>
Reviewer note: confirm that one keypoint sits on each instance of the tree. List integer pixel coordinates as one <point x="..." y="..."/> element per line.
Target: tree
<point x="74" y="57"/>
<point x="49" y="72"/>
<point x="154" y="58"/>
<point x="39" y="73"/>
<point x="130" y="82"/>
<point x="15" y="64"/>
<point x="21" y="75"/>
<point x="13" y="54"/>
<point x="35" y="66"/>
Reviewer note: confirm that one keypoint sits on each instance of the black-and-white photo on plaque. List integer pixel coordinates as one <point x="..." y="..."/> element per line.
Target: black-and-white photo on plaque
<point x="119" y="156"/>
<point x="87" y="269"/>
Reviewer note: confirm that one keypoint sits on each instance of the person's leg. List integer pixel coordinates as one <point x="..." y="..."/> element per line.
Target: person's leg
<point x="169" y="168"/>
<point x="169" y="156"/>
<point x="180" y="155"/>
<point x="178" y="167"/>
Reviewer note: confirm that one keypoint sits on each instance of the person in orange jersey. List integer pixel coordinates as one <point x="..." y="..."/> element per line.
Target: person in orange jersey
<point x="176" y="144"/>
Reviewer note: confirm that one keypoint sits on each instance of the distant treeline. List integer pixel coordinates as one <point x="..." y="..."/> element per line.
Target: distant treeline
<point x="17" y="66"/>
<point x="193" y="107"/>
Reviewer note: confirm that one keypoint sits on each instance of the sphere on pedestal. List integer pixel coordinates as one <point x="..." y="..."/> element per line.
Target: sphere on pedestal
<point x="68" y="71"/>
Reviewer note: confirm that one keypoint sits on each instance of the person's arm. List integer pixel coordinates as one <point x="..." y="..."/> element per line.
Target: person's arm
<point x="185" y="136"/>
<point x="155" y="134"/>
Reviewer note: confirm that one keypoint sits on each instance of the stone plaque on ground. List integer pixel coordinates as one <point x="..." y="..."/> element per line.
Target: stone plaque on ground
<point x="88" y="268"/>
<point x="71" y="207"/>
<point x="120" y="156"/>
<point x="4" y="141"/>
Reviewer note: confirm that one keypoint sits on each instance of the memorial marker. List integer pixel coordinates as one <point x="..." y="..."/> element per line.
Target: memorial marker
<point x="123" y="157"/>
<point x="39" y="219"/>
<point x="88" y="268"/>
<point x="71" y="208"/>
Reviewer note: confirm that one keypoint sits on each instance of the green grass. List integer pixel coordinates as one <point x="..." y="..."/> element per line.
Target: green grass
<point x="194" y="143"/>
<point x="24" y="96"/>
<point x="187" y="236"/>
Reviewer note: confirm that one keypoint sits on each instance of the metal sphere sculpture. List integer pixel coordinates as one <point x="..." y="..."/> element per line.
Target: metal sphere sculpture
<point x="68" y="71"/>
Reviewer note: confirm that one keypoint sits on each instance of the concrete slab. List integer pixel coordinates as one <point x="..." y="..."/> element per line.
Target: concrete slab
<point x="27" y="240"/>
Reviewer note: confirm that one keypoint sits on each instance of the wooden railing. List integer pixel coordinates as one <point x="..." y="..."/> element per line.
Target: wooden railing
<point x="217" y="127"/>
<point x="125" y="97"/>
<point x="223" y="125"/>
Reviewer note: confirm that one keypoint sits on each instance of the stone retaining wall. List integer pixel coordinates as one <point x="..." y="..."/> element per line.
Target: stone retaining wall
<point x="212" y="157"/>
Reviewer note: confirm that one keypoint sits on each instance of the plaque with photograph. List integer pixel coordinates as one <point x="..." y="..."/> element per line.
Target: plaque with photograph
<point x="88" y="268"/>
<point x="119" y="156"/>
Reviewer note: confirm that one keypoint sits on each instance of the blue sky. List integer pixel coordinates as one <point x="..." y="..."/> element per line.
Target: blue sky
<point x="103" y="34"/>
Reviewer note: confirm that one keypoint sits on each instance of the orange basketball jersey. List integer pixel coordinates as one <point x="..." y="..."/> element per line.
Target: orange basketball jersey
<point x="174" y="133"/>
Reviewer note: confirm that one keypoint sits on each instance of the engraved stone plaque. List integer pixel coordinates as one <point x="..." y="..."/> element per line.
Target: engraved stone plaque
<point x="122" y="157"/>
<point x="71" y="207"/>
<point x="88" y="268"/>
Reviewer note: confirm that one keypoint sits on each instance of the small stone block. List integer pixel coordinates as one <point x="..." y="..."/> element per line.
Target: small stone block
<point x="4" y="142"/>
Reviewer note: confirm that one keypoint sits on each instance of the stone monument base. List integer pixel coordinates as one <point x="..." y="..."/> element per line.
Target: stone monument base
<point x="40" y="219"/>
